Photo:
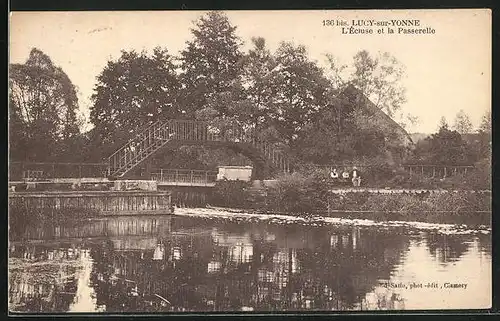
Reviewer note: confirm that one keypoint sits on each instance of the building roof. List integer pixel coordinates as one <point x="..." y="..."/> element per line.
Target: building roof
<point x="356" y="97"/>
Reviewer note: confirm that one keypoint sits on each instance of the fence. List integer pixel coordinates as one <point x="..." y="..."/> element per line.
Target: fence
<point x="35" y="171"/>
<point x="438" y="171"/>
<point x="429" y="170"/>
<point x="185" y="176"/>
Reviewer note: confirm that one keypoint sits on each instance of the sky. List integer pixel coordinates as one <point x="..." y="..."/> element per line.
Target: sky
<point x="446" y="71"/>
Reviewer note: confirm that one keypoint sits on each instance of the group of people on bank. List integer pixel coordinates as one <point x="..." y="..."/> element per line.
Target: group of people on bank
<point x="346" y="176"/>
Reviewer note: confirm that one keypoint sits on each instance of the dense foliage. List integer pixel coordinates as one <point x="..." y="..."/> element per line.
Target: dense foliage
<point x="43" y="122"/>
<point x="135" y="90"/>
<point x="279" y="96"/>
<point x="445" y="147"/>
<point x="282" y="96"/>
<point x="211" y="66"/>
<point x="448" y="147"/>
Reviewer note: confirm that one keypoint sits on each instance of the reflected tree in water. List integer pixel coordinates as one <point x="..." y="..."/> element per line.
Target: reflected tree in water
<point x="142" y="265"/>
<point x="42" y="279"/>
<point x="447" y="248"/>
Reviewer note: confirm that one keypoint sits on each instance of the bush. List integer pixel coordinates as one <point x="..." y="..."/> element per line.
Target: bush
<point x="230" y="194"/>
<point x="298" y="193"/>
<point x="480" y="178"/>
<point x="403" y="179"/>
<point x="377" y="175"/>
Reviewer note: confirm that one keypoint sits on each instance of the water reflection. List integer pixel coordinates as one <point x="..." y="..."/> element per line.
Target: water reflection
<point x="447" y="248"/>
<point x="151" y="264"/>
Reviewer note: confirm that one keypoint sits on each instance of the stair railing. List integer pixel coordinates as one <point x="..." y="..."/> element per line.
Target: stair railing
<point x="144" y="142"/>
<point x="147" y="142"/>
<point x="113" y="159"/>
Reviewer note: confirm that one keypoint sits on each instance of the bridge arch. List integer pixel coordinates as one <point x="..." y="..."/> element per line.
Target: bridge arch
<point x="262" y="166"/>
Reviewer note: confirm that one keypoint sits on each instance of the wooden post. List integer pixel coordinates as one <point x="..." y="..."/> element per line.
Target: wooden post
<point x="206" y="177"/>
<point x="433" y="171"/>
<point x="444" y="172"/>
<point x="161" y="175"/>
<point x="191" y="179"/>
<point x="409" y="167"/>
<point x="176" y="175"/>
<point x="422" y="170"/>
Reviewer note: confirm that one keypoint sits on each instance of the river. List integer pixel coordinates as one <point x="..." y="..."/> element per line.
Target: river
<point x="180" y="263"/>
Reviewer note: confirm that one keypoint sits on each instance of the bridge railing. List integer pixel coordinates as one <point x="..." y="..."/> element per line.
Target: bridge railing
<point x="35" y="171"/>
<point x="187" y="176"/>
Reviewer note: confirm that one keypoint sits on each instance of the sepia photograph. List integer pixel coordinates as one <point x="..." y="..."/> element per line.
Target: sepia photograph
<point x="255" y="161"/>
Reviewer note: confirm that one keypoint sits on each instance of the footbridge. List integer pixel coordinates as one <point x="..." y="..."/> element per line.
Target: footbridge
<point x="267" y="157"/>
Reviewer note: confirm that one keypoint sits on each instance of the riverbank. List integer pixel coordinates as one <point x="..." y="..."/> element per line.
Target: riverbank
<point x="238" y="215"/>
<point x="299" y="196"/>
<point x="453" y="207"/>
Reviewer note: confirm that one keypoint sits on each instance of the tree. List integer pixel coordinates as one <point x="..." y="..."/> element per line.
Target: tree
<point x="337" y="72"/>
<point x="300" y="91"/>
<point x="485" y="126"/>
<point x="211" y="65"/>
<point x="483" y="147"/>
<point x="43" y="103"/>
<point x="443" y="123"/>
<point x="323" y="143"/>
<point x="462" y="123"/>
<point x="379" y="78"/>
<point x="445" y="147"/>
<point x="358" y="137"/>
<point x="134" y="90"/>
<point x="258" y="72"/>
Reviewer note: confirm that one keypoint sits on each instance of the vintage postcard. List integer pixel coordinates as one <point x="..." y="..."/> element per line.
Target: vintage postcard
<point x="207" y="161"/>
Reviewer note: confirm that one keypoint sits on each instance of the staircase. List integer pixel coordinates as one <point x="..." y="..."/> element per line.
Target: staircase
<point x="147" y="142"/>
<point x="138" y="149"/>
